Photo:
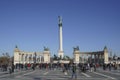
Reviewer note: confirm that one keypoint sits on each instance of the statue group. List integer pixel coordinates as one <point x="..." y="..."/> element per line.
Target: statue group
<point x="76" y="48"/>
<point x="46" y="49"/>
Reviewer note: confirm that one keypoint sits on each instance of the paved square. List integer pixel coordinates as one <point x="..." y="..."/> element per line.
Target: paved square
<point x="59" y="75"/>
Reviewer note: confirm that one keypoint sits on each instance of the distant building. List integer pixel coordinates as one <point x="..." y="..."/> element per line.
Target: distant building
<point x="91" y="57"/>
<point x="22" y="57"/>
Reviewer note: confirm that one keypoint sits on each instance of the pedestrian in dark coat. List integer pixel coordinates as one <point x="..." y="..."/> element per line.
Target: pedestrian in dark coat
<point x="74" y="71"/>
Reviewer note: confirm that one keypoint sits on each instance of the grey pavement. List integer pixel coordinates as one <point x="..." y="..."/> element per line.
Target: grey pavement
<point x="59" y="75"/>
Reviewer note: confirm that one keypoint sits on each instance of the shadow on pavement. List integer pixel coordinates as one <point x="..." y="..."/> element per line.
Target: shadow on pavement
<point x="41" y="79"/>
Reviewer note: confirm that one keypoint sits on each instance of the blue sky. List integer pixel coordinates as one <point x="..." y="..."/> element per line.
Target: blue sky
<point x="33" y="24"/>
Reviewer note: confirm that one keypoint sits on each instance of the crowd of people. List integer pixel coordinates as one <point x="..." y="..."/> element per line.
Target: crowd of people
<point x="7" y="67"/>
<point x="66" y="68"/>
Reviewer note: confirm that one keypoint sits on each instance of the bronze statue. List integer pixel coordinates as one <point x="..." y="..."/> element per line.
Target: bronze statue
<point x="76" y="48"/>
<point x="46" y="49"/>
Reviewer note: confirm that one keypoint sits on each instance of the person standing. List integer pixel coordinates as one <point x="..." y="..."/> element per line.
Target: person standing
<point x="10" y="69"/>
<point x="94" y="65"/>
<point x="110" y="65"/>
<point x="74" y="71"/>
<point x="13" y="67"/>
<point x="26" y="66"/>
<point x="104" y="66"/>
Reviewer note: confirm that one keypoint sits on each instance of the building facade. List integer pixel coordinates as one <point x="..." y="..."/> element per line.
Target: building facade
<point x="91" y="57"/>
<point x="22" y="57"/>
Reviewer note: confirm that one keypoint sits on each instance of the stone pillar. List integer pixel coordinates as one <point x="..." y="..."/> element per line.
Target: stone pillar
<point x="30" y="58"/>
<point x="22" y="58"/>
<point x="80" y="58"/>
<point x="16" y="56"/>
<point x="19" y="59"/>
<point x="46" y="55"/>
<point x="98" y="58"/>
<point x="94" y="58"/>
<point x="105" y="55"/>
<point x="91" y="59"/>
<point x="102" y="56"/>
<point x="40" y="59"/>
<point x="83" y="58"/>
<point x="87" y="57"/>
<point x="76" y="54"/>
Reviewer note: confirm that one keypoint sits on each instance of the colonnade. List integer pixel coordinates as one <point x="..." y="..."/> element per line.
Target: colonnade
<point x="91" y="57"/>
<point x="30" y="58"/>
<point x="21" y="57"/>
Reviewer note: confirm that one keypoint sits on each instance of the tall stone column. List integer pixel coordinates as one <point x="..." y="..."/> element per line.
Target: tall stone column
<point x="60" y="52"/>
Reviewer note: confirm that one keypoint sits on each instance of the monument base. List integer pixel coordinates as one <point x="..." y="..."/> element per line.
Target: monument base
<point x="61" y="61"/>
<point x="60" y="54"/>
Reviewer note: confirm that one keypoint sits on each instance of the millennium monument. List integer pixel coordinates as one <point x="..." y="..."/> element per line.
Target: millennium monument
<point x="23" y="57"/>
<point x="60" y="51"/>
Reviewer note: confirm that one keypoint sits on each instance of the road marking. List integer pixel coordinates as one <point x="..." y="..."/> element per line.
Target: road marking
<point x="53" y="78"/>
<point x="112" y="72"/>
<point x="104" y="75"/>
<point x="24" y="74"/>
<point x="28" y="73"/>
<point x="45" y="73"/>
<point x="5" y="75"/>
<point x="86" y="75"/>
<point x="18" y="76"/>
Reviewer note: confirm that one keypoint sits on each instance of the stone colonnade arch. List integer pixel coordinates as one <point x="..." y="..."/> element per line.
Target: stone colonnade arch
<point x="22" y="57"/>
<point x="91" y="57"/>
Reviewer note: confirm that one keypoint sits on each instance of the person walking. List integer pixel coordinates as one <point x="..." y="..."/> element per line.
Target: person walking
<point x="10" y="68"/>
<point x="74" y="71"/>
